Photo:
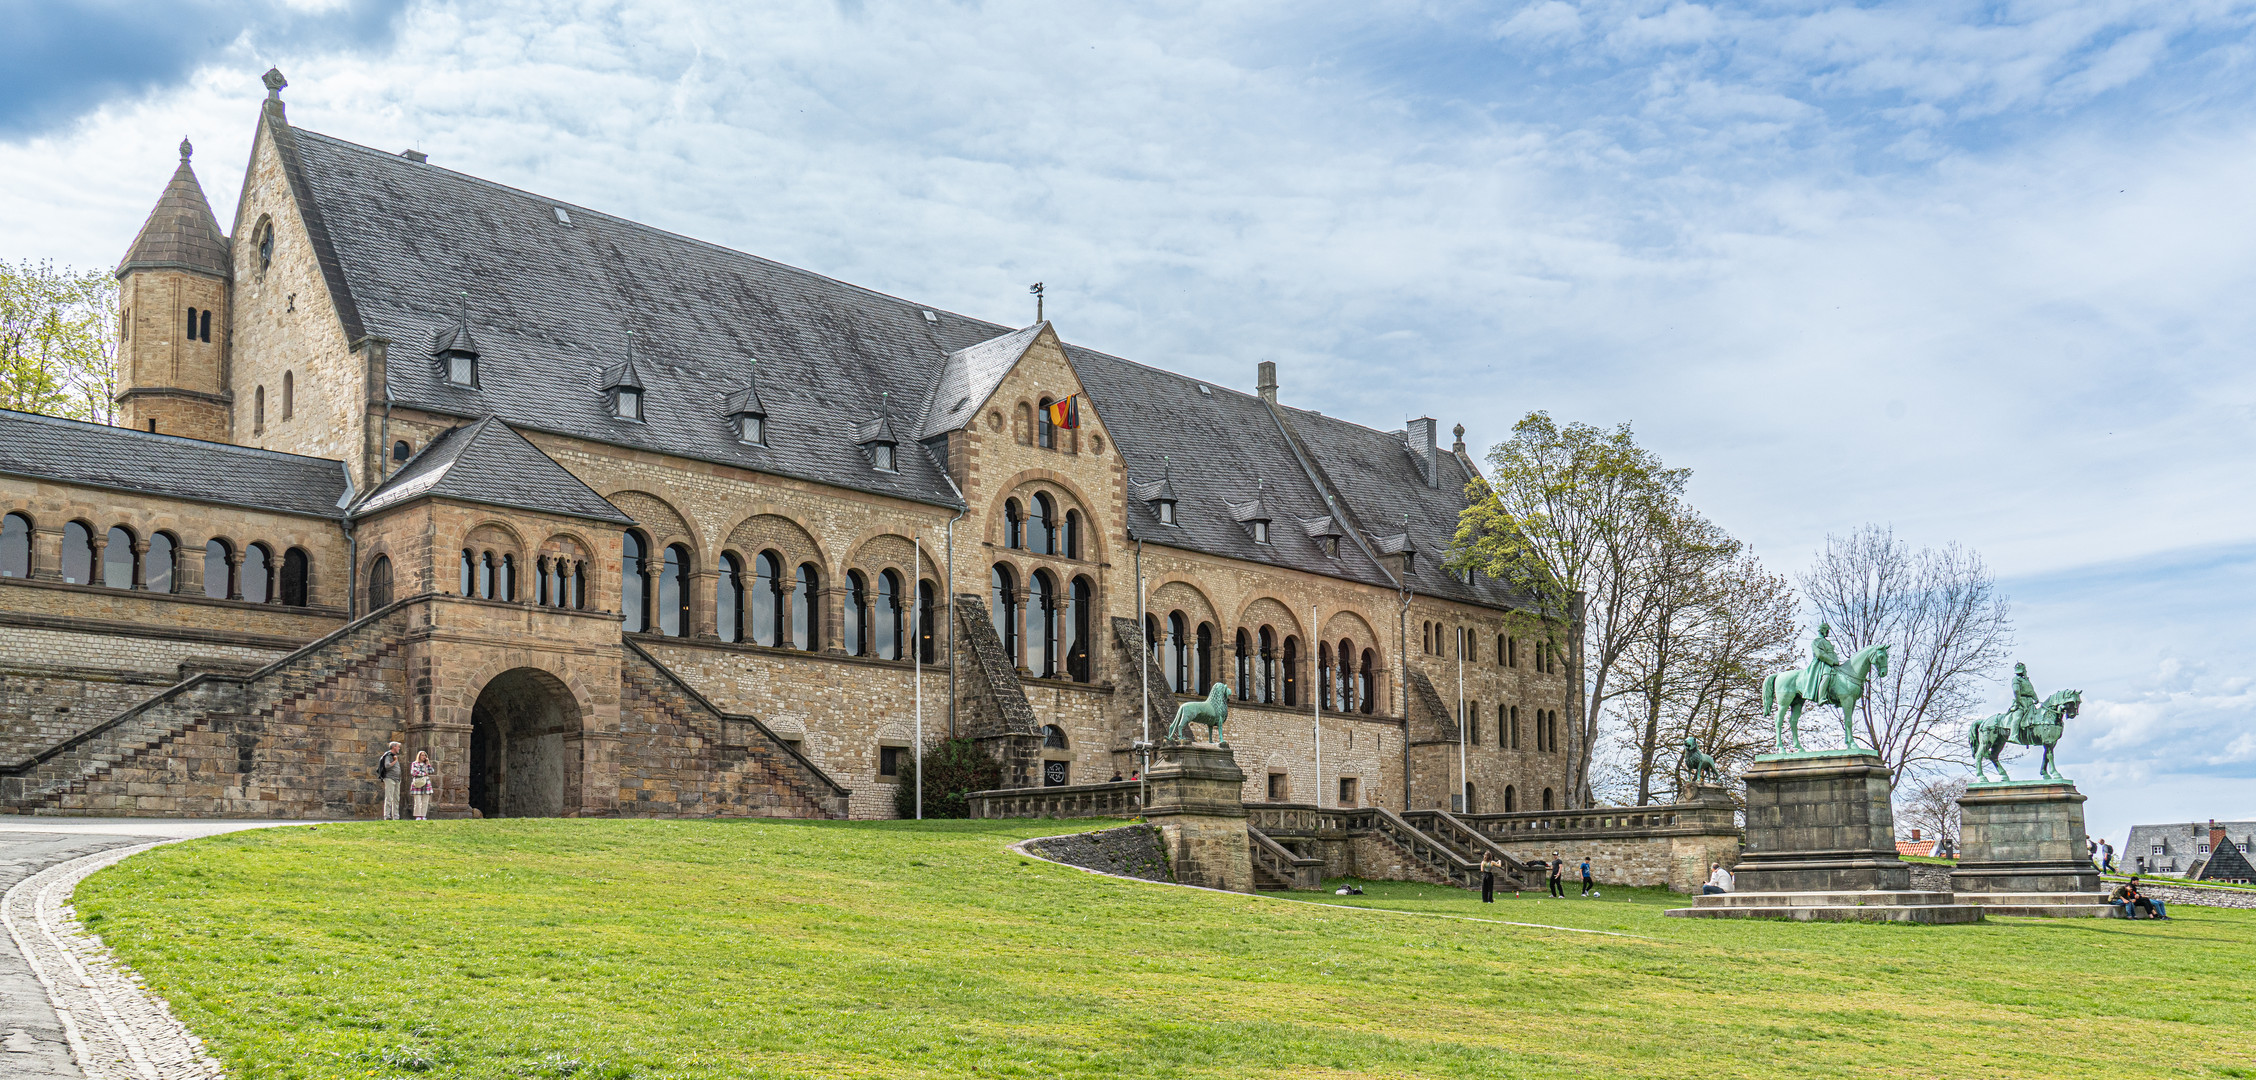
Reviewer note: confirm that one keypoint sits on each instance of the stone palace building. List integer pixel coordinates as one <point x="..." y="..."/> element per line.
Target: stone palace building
<point x="616" y="522"/>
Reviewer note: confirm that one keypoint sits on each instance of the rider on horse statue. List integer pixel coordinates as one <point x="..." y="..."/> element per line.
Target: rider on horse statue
<point x="1823" y="662"/>
<point x="2024" y="710"/>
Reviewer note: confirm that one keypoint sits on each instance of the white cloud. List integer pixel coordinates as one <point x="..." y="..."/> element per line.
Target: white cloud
<point x="1549" y="22"/>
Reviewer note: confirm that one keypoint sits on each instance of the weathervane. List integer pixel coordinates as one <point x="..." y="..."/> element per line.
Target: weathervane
<point x="1036" y="289"/>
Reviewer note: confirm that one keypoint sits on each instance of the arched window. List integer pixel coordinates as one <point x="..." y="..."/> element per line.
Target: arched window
<point x="1503" y="733"/>
<point x="673" y="592"/>
<point x="1023" y="430"/>
<point x="1179" y="652"/>
<point x="1345" y="658"/>
<point x="1425" y="637"/>
<point x="258" y="409"/>
<point x="296" y="568"/>
<point x="78" y="554"/>
<point x="1289" y="671"/>
<point x="1014" y="524"/>
<point x="1366" y="687"/>
<point x="1547" y="798"/>
<point x="1324" y="674"/>
<point x="1502" y="649"/>
<point x="925" y="604"/>
<point x="579" y="586"/>
<point x="401" y="451"/>
<point x="219" y="570"/>
<point x="160" y="571"/>
<point x="1053" y="737"/>
<point x="806" y="622"/>
<point x="1042" y="536"/>
<point x="1244" y="651"/>
<point x="1153" y="639"/>
<point x="1071" y="541"/>
<point x="1045" y="432"/>
<point x="1042" y="624"/>
<point x="1268" y="670"/>
<point x="379" y="582"/>
<point x="506" y="588"/>
<point x="767" y="599"/>
<point x="855" y="629"/>
<point x="1205" y="659"/>
<point x="203" y="326"/>
<point x="1511" y="799"/>
<point x="1077" y="624"/>
<point x="1003" y="599"/>
<point x="728" y="600"/>
<point x="266" y="244"/>
<point x="888" y="615"/>
<point x="15" y="546"/>
<point x="1511" y="734"/>
<point x="289" y="394"/>
<point x="117" y="558"/>
<point x="486" y="576"/>
<point x="258" y="575"/>
<point x="634" y="581"/>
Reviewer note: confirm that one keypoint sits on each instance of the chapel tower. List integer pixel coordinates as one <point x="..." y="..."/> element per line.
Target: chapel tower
<point x="172" y="315"/>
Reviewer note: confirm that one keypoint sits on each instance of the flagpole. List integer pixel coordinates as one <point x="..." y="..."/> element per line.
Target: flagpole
<point x="916" y="653"/>
<point x="1464" y="724"/>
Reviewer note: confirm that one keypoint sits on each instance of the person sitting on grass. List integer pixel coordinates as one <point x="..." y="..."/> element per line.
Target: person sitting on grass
<point x="1719" y="881"/>
<point x="2127" y="899"/>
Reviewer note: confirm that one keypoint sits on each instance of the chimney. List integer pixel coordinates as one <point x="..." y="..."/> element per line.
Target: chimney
<point x="1266" y="381"/>
<point x="1914" y="836"/>
<point x="1423" y="437"/>
<point x="416" y="156"/>
<point x="2216" y="835"/>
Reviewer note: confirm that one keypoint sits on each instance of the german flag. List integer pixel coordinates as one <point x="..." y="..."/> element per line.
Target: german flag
<point x="1065" y="414"/>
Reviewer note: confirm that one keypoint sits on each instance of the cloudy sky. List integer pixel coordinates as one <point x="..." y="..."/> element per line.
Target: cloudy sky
<point x="1978" y="270"/>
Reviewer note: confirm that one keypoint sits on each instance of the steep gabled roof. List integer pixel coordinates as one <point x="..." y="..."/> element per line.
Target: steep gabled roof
<point x="181" y="233"/>
<point x="968" y="376"/>
<point x="490" y="464"/>
<point x="124" y="459"/>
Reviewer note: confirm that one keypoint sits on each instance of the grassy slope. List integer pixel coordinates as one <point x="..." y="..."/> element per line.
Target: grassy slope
<point x="836" y="949"/>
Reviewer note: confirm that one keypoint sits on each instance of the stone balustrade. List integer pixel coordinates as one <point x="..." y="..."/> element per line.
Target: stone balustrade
<point x="1123" y="799"/>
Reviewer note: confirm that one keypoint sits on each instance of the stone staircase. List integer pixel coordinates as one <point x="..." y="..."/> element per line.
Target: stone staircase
<point x="724" y="764"/>
<point x="1276" y="868"/>
<point x="277" y="742"/>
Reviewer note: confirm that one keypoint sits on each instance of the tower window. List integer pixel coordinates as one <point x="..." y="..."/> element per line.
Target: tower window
<point x="204" y="320"/>
<point x="401" y="451"/>
<point x="289" y="394"/>
<point x="266" y="245"/>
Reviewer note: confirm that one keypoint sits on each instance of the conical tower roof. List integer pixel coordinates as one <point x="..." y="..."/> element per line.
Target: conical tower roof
<point x="181" y="233"/>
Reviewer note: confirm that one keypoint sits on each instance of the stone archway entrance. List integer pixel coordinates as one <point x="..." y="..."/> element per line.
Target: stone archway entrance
<point x="523" y="745"/>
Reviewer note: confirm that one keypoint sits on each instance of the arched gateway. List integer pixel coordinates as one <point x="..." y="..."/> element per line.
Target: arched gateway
<point x="522" y="754"/>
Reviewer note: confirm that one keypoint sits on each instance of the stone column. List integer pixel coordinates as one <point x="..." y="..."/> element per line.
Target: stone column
<point x="1198" y="803"/>
<point x="2021" y="850"/>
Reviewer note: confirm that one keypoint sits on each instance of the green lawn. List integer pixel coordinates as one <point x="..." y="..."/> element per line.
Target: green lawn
<point x="846" y="949"/>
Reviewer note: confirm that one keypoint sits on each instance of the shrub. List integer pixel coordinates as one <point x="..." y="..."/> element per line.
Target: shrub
<point x="953" y="769"/>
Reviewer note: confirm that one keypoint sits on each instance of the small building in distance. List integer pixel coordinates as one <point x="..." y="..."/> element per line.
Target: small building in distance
<point x="2180" y="849"/>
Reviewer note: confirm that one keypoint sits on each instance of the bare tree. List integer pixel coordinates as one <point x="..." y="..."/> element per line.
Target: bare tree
<point x="1719" y="623"/>
<point x="1931" y="808"/>
<point x="1569" y="514"/>
<point x="1948" y="628"/>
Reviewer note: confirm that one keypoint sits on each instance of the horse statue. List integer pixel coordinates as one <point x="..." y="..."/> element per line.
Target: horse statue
<point x="1784" y="696"/>
<point x="1700" y="765"/>
<point x="1211" y="712"/>
<point x="1990" y="734"/>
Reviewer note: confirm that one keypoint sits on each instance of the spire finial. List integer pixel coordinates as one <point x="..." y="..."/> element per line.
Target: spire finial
<point x="274" y="83"/>
<point x="630" y="349"/>
<point x="186" y="148"/>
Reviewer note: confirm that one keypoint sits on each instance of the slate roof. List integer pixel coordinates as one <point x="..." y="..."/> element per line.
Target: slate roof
<point x="125" y="459"/>
<point x="2181" y="845"/>
<point x="181" y="232"/>
<point x="549" y="303"/>
<point x="490" y="464"/>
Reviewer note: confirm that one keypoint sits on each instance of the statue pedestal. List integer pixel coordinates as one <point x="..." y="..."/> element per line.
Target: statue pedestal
<point x="1821" y="845"/>
<point x="1198" y="804"/>
<point x="2021" y="851"/>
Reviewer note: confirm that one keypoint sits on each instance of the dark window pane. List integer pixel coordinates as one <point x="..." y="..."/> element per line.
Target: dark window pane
<point x="15" y="546"/>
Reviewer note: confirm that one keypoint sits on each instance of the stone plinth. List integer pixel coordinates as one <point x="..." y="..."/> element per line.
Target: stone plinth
<point x="1820" y="822"/>
<point x="2021" y="851"/>
<point x="1198" y="803"/>
<point x="1821" y="847"/>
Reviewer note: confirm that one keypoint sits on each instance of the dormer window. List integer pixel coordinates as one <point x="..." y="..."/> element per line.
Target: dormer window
<point x="1165" y="508"/>
<point x="457" y="351"/>
<point x="751" y="429"/>
<point x="1260" y="532"/>
<point x="622" y="386"/>
<point x="749" y="414"/>
<point x="875" y="437"/>
<point x="1160" y="496"/>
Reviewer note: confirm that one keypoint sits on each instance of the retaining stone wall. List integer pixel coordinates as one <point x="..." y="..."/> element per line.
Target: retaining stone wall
<point x="1135" y="851"/>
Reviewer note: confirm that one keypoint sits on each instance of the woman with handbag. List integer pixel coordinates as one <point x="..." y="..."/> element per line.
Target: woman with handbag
<point x="420" y="784"/>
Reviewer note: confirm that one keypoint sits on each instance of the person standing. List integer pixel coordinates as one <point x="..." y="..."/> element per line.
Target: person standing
<point x="1587" y="884"/>
<point x="388" y="775"/>
<point x="1489" y="866"/>
<point x="2106" y="856"/>
<point x="1558" y="869"/>
<point x="420" y="784"/>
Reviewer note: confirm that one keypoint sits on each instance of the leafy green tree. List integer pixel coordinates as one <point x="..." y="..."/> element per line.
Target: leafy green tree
<point x="58" y="341"/>
<point x="953" y="769"/>
<point x="1577" y="516"/>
